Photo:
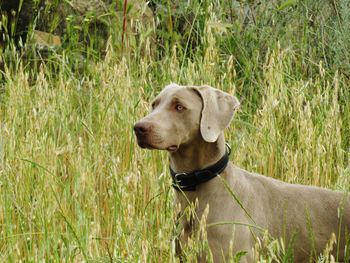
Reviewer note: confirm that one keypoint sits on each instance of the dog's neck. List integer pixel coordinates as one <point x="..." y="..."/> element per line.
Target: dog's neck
<point x="197" y="155"/>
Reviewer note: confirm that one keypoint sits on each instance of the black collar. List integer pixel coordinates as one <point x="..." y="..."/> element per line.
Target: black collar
<point x="189" y="181"/>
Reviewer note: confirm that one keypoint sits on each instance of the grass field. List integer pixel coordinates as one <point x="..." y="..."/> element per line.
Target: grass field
<point x="74" y="186"/>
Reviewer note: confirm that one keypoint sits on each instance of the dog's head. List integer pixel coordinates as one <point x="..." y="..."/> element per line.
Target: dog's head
<point x="181" y="114"/>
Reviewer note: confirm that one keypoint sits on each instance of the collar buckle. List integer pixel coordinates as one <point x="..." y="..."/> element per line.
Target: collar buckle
<point x="177" y="179"/>
<point x="228" y="148"/>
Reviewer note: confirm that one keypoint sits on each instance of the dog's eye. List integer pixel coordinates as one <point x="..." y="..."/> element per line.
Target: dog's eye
<point x="179" y="107"/>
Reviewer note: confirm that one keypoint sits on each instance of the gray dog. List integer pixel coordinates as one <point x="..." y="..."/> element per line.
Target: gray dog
<point x="188" y="122"/>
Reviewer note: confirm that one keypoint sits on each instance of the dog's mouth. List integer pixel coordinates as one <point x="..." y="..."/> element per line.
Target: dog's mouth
<point x="146" y="145"/>
<point x="172" y="148"/>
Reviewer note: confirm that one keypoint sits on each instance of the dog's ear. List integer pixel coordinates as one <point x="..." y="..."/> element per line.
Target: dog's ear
<point x="217" y="112"/>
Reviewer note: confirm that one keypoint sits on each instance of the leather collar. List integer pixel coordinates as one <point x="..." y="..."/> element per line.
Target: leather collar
<point x="189" y="181"/>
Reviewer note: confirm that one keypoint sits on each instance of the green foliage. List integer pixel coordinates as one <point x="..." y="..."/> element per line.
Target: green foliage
<point x="74" y="186"/>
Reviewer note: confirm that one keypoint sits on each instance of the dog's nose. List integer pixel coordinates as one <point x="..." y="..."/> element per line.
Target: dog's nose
<point x="141" y="128"/>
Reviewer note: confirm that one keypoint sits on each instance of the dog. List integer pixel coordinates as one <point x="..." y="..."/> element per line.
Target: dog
<point x="188" y="122"/>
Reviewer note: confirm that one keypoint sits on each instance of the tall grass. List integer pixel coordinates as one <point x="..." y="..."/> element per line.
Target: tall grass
<point x="74" y="186"/>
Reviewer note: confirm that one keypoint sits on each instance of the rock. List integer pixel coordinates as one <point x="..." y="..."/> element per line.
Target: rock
<point x="46" y="40"/>
<point x="96" y="6"/>
<point x="50" y="16"/>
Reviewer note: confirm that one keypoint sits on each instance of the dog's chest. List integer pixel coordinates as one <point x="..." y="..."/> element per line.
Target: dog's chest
<point x="192" y="213"/>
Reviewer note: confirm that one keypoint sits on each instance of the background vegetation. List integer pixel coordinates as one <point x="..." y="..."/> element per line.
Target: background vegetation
<point x="74" y="186"/>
